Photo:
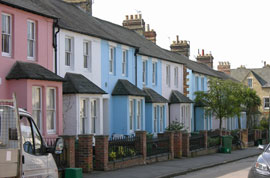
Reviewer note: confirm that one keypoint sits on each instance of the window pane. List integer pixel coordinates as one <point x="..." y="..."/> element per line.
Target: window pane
<point x="27" y="139"/>
<point x="50" y="120"/>
<point x="131" y="115"/>
<point x="50" y="105"/>
<point x="37" y="140"/>
<point x="5" y="43"/>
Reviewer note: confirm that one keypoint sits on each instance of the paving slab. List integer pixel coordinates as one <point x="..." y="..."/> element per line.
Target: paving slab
<point x="177" y="166"/>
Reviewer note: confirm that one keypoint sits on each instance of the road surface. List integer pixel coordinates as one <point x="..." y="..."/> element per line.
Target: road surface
<point x="238" y="169"/>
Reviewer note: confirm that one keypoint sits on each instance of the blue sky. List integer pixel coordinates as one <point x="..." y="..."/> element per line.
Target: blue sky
<point x="237" y="31"/>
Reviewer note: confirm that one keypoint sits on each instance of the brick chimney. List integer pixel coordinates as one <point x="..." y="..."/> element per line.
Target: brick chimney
<point x="205" y="59"/>
<point x="135" y="23"/>
<point x="182" y="47"/>
<point x="150" y="34"/>
<point x="85" y="5"/>
<point x="224" y="67"/>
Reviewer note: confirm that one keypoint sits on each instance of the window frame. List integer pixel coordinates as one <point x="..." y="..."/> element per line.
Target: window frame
<point x="111" y="60"/>
<point x="168" y="75"/>
<point x="196" y="83"/>
<point x="33" y="39"/>
<point x="161" y="118"/>
<point x="70" y="52"/>
<point x="88" y="56"/>
<point x="139" y="115"/>
<point x="250" y="79"/>
<point x="144" y="71"/>
<point x="51" y="131"/>
<point x="95" y="117"/>
<point x="10" y="35"/>
<point x="82" y="125"/>
<point x="202" y="83"/>
<point x="176" y="74"/>
<point x="131" y="115"/>
<point x="266" y="97"/>
<point x="124" y="62"/>
<point x="41" y="106"/>
<point x="154" y="73"/>
<point x="155" y="120"/>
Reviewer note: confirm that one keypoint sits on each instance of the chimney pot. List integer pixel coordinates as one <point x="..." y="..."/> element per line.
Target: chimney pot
<point x="126" y="17"/>
<point x="177" y="38"/>
<point x="264" y="63"/>
<point x="202" y="52"/>
<point x="148" y="27"/>
<point x="136" y="16"/>
<point x="140" y="16"/>
<point x="131" y="17"/>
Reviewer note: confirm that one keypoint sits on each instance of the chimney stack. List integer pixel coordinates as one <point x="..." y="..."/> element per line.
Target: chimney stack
<point x="224" y="67"/>
<point x="181" y="47"/>
<point x="205" y="58"/>
<point x="137" y="24"/>
<point x="85" y="5"/>
<point x="150" y="34"/>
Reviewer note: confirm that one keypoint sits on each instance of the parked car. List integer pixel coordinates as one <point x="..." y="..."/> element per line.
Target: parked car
<point x="23" y="152"/>
<point x="261" y="168"/>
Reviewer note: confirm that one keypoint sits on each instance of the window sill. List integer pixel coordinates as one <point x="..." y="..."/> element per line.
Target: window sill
<point x="6" y="55"/>
<point x="31" y="58"/>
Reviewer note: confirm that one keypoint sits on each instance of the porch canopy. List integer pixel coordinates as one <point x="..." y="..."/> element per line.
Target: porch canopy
<point x="79" y="84"/>
<point x="153" y="97"/>
<point x="177" y="97"/>
<point x="125" y="87"/>
<point x="29" y="70"/>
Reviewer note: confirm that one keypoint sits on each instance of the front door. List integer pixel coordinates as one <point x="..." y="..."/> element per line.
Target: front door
<point x="35" y="158"/>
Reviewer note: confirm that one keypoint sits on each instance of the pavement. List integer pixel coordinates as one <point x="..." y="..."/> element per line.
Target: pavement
<point x="176" y="167"/>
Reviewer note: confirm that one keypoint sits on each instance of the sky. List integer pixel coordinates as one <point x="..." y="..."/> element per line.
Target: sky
<point x="237" y="31"/>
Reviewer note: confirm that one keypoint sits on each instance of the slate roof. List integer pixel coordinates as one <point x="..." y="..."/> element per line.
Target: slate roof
<point x="78" y="84"/>
<point x="28" y="70"/>
<point x="177" y="97"/>
<point x="153" y="97"/>
<point x="124" y="87"/>
<point x="261" y="74"/>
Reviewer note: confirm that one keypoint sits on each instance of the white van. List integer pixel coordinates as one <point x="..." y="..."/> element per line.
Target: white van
<point x="23" y="152"/>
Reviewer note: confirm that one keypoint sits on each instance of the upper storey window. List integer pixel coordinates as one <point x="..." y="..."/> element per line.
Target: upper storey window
<point x="68" y="51"/>
<point x="111" y="60"/>
<point x="250" y="83"/>
<point x="87" y="60"/>
<point x="31" y="39"/>
<point x="6" y="34"/>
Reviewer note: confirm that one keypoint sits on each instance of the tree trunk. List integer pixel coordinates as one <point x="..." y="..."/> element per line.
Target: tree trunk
<point x="239" y="122"/>
<point x="220" y="123"/>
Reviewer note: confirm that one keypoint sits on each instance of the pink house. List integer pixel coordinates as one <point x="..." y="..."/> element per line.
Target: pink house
<point x="26" y="65"/>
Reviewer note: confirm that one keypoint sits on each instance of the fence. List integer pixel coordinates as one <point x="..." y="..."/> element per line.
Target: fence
<point x="157" y="146"/>
<point x="213" y="139"/>
<point x="264" y="134"/>
<point x="251" y="135"/>
<point x="120" y="148"/>
<point x="196" y="142"/>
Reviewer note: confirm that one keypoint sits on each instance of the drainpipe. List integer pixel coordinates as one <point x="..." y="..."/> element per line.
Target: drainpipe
<point x="55" y="25"/>
<point x="136" y="68"/>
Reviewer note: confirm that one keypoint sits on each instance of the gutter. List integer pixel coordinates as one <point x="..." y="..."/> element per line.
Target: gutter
<point x="55" y="25"/>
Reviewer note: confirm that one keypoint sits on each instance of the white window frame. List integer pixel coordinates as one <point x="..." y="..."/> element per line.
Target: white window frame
<point x="83" y="125"/>
<point x="161" y="118"/>
<point x="154" y="73"/>
<point x="94" y="116"/>
<point x="176" y="73"/>
<point x="51" y="131"/>
<point x="265" y="102"/>
<point x="33" y="39"/>
<point x="196" y="83"/>
<point x="111" y="59"/>
<point x="139" y="115"/>
<point x="70" y="52"/>
<point x="144" y="72"/>
<point x="168" y="75"/>
<point x="202" y="83"/>
<point x="8" y="34"/>
<point x="124" y="62"/>
<point x="34" y="89"/>
<point x="250" y="79"/>
<point x="87" y="56"/>
<point x="131" y="115"/>
<point x="155" y="114"/>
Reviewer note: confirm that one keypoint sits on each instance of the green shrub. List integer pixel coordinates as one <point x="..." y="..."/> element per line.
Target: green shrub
<point x="175" y="126"/>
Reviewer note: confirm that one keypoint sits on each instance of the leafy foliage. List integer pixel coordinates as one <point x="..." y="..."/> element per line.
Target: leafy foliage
<point x="175" y="126"/>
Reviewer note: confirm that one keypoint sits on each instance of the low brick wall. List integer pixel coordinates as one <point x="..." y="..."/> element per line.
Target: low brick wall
<point x="158" y="158"/>
<point x="204" y="152"/>
<point x="118" y="164"/>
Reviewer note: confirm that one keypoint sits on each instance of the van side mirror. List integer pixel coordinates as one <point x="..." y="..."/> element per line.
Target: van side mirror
<point x="59" y="146"/>
<point x="261" y="147"/>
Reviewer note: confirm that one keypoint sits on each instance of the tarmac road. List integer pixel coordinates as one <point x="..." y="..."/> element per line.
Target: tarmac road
<point x="238" y="169"/>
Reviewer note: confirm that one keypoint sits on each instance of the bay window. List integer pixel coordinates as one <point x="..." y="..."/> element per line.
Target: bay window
<point x="93" y="115"/>
<point x="139" y="115"/>
<point x="83" y="115"/>
<point x="37" y="106"/>
<point x="51" y="109"/>
<point x="131" y="111"/>
<point x="155" y="119"/>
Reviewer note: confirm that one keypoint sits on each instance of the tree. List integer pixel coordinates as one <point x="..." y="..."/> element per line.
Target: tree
<point x="219" y="99"/>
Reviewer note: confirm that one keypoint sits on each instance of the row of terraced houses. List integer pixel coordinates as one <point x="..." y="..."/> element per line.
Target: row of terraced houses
<point x="78" y="74"/>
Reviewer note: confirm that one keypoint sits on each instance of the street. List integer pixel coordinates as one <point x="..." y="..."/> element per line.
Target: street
<point x="236" y="169"/>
